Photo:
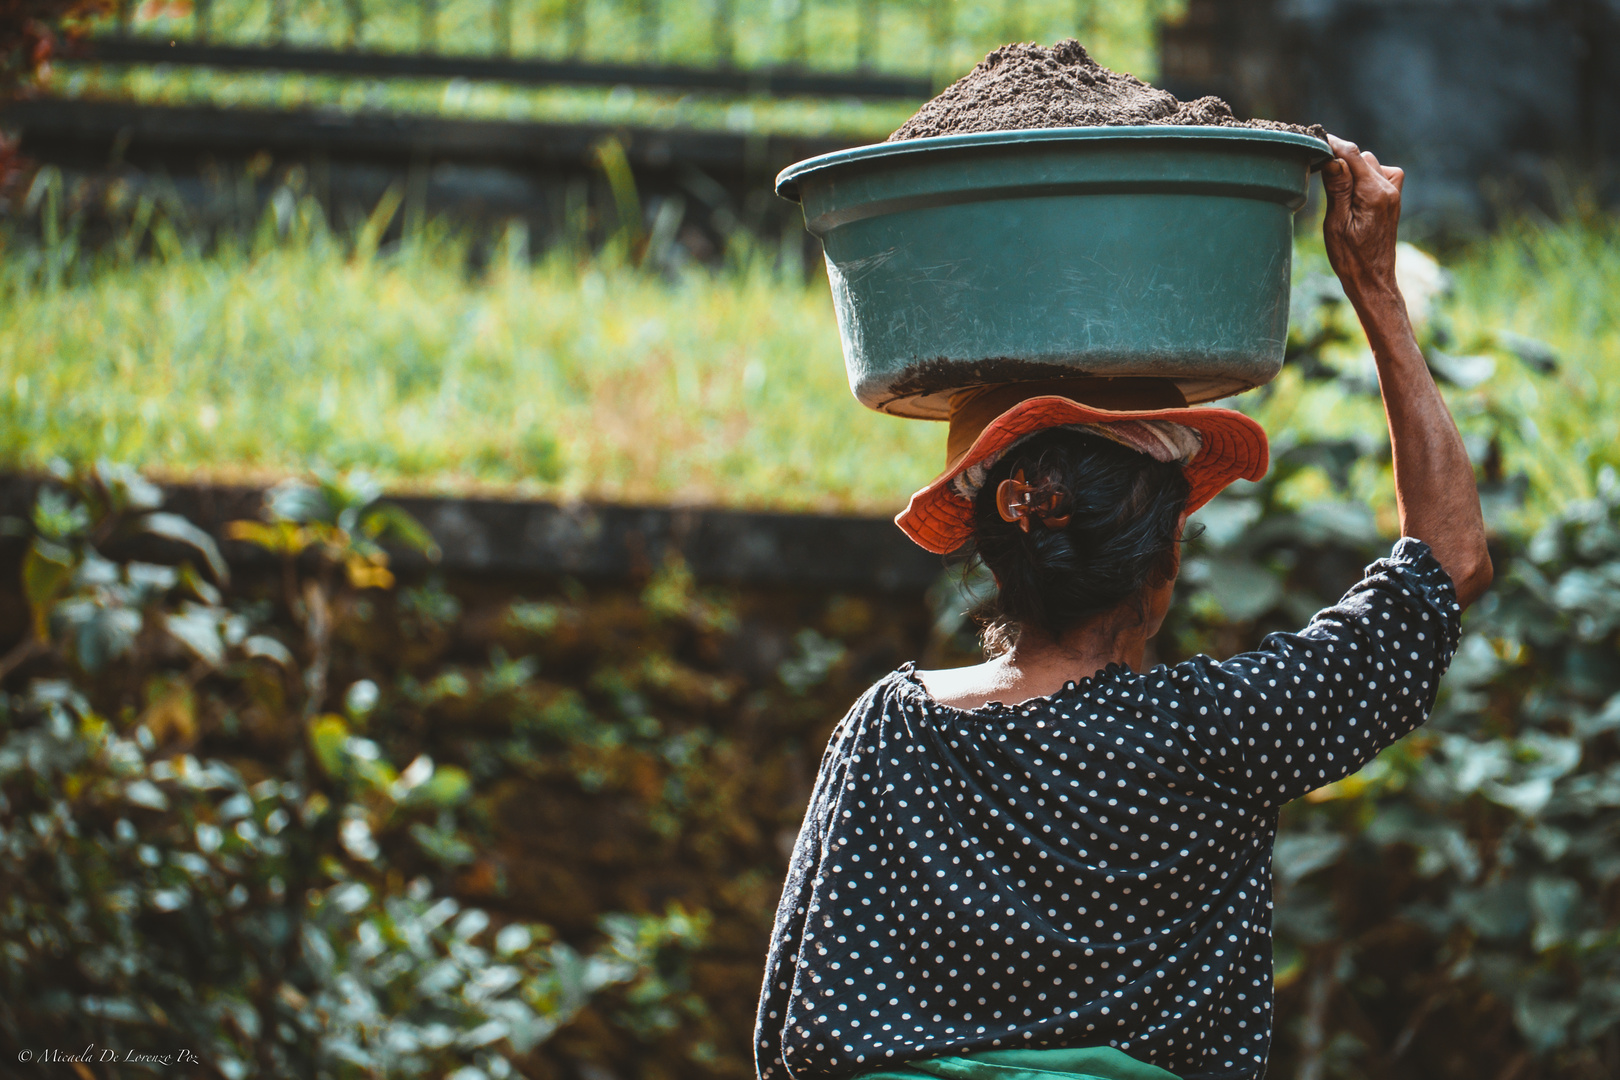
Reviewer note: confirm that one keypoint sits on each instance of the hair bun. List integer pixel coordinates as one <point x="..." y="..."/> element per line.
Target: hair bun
<point x="1111" y="520"/>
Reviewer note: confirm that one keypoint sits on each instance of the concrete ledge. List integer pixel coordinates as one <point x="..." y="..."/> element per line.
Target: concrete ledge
<point x="511" y="539"/>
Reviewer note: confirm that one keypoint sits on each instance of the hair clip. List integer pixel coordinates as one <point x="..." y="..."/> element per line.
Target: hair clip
<point x="1015" y="502"/>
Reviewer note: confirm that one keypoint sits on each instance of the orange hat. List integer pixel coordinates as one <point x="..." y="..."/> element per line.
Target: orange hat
<point x="986" y="421"/>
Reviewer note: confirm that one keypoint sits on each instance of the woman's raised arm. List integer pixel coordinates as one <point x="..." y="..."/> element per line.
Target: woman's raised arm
<point x="1434" y="480"/>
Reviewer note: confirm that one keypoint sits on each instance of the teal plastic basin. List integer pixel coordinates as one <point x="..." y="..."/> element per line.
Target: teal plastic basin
<point x="1003" y="256"/>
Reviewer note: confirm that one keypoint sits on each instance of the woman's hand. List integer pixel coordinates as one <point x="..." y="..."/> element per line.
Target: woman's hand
<point x="1363" y="213"/>
<point x="1434" y="480"/>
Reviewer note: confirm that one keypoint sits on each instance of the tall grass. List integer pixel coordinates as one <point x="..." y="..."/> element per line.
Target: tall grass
<point x="562" y="378"/>
<point x="584" y="376"/>
<point x="1555" y="282"/>
<point x="1558" y="281"/>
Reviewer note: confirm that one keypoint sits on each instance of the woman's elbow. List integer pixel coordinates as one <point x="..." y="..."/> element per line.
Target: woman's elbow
<point x="1474" y="576"/>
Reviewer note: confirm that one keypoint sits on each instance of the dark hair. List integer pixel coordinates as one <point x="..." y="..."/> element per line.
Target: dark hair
<point x="1124" y="509"/>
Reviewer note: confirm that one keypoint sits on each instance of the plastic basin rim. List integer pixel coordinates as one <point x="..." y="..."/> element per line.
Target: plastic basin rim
<point x="787" y="181"/>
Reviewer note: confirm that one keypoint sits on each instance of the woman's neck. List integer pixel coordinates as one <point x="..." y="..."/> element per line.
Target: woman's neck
<point x="1039" y="665"/>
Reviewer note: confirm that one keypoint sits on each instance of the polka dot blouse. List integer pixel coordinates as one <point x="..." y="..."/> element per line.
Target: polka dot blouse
<point x="1089" y="868"/>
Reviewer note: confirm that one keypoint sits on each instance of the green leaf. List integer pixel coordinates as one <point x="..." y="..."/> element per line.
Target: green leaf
<point x="126" y="488"/>
<point x="1226" y="519"/>
<point x="443" y="845"/>
<point x="46" y="570"/>
<point x="294" y="500"/>
<point x="1243" y="590"/>
<point x="448" y="786"/>
<point x="392" y="522"/>
<point x="1463" y="372"/>
<point x="174" y="527"/>
<point x="1542" y="1021"/>
<point x="328" y="737"/>
<point x="264" y="647"/>
<point x="1555" y="902"/>
<point x="59" y="516"/>
<point x="105" y="636"/>
<point x="1531" y="352"/>
<point x="197" y="628"/>
<point x="1299" y="854"/>
<point x="1500" y="911"/>
<point x="377" y="222"/>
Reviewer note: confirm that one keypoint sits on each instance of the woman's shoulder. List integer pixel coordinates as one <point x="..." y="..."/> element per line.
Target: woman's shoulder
<point x="898" y="686"/>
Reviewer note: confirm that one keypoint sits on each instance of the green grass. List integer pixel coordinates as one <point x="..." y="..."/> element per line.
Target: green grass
<point x="1553" y="281"/>
<point x="558" y="379"/>
<point x="590" y="378"/>
<point x="941" y="39"/>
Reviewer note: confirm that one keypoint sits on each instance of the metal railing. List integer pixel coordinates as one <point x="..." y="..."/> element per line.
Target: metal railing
<point x="829" y="48"/>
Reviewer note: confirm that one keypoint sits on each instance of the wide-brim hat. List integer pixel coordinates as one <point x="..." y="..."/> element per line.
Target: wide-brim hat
<point x="985" y="421"/>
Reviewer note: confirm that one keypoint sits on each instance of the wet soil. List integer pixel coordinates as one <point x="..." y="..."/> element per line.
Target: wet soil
<point x="1026" y="85"/>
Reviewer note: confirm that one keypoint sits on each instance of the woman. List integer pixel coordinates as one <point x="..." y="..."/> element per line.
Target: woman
<point x="1079" y="884"/>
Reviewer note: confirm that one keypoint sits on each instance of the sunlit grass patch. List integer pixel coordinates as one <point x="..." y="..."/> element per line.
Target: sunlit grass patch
<point x="559" y="379"/>
<point x="591" y="378"/>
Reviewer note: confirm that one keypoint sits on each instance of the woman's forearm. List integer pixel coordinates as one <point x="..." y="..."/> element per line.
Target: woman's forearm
<point x="1434" y="479"/>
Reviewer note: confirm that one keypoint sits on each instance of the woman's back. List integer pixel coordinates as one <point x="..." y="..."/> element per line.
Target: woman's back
<point x="1088" y="868"/>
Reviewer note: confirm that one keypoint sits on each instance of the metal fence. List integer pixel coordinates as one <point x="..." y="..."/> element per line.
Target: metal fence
<point x="858" y="48"/>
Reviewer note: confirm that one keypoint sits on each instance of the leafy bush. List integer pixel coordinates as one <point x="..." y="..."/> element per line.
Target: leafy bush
<point x="244" y="902"/>
<point x="337" y="866"/>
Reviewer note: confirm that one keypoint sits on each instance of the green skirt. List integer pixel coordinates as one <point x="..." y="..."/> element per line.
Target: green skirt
<point x="1078" y="1063"/>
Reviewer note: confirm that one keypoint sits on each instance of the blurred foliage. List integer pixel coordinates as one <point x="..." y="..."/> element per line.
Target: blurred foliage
<point x="32" y="33"/>
<point x="1464" y="883"/>
<point x="197" y="848"/>
<point x="320" y="823"/>
<point x="315" y="822"/>
<point x="940" y="39"/>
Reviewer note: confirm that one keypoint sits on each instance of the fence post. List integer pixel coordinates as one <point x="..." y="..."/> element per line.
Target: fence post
<point x="798" y="47"/>
<point x="649" y="12"/>
<point x="941" y="27"/>
<point x="356" y="12"/>
<point x="428" y="33"/>
<point x="203" y="14"/>
<point x="866" y="32"/>
<point x="503" y="27"/>
<point x="125" y="14"/>
<point x="278" y="21"/>
<point x="574" y="13"/>
<point x="725" y="38"/>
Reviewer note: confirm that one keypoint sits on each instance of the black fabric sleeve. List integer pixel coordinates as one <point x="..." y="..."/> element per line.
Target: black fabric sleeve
<point x="1310" y="708"/>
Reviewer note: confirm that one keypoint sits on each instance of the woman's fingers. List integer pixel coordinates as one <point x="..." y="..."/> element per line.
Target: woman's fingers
<point x="1337" y="183"/>
<point x="1342" y="147"/>
<point x="1358" y="160"/>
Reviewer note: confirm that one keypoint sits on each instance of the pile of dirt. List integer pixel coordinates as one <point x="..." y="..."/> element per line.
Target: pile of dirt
<point x="1030" y="86"/>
